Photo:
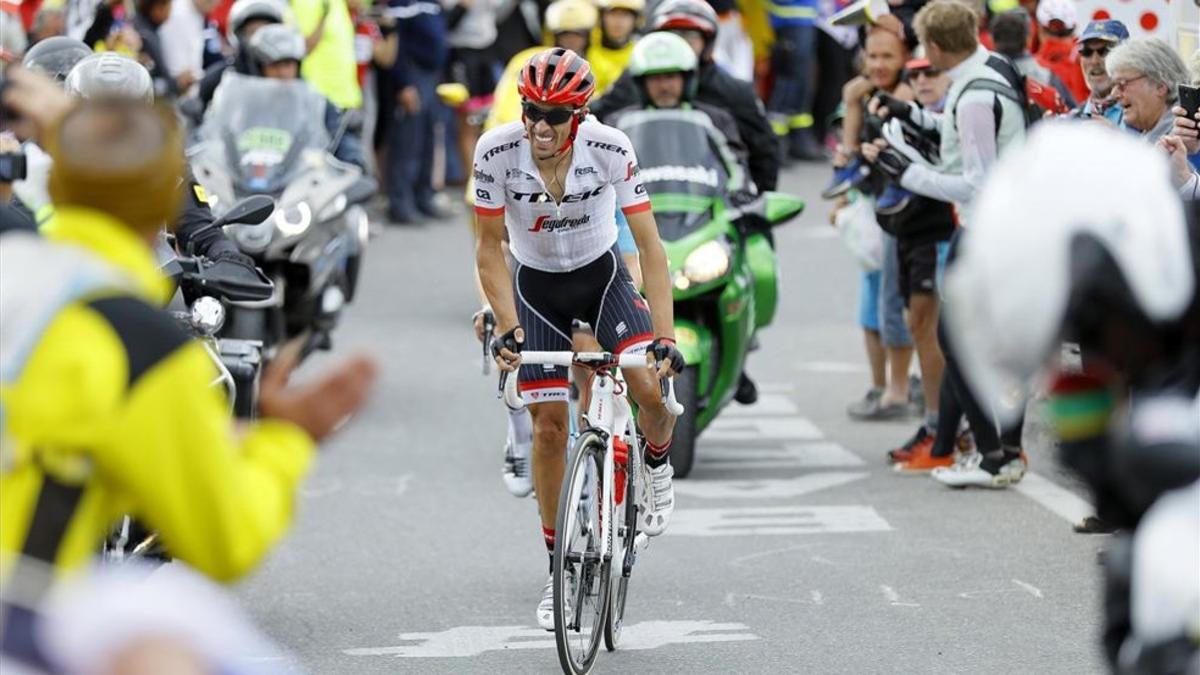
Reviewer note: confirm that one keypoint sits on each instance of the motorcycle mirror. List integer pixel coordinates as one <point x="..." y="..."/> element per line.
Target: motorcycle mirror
<point x="782" y="207"/>
<point x="250" y="211"/>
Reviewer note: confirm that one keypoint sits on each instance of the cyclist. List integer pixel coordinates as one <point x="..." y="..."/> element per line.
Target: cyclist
<point x="569" y="24"/>
<point x="551" y="182"/>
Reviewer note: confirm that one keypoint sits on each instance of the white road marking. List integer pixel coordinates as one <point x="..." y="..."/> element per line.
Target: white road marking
<point x="467" y="641"/>
<point x="1059" y="500"/>
<point x="786" y="488"/>
<point x="776" y="520"/>
<point x="817" y="598"/>
<point x="767" y="404"/>
<point x="814" y="599"/>
<point x="740" y="429"/>
<point x="1033" y="590"/>
<point x="820" y="454"/>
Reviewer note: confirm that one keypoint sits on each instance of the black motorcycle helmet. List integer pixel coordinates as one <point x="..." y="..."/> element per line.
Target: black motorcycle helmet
<point x="56" y="56"/>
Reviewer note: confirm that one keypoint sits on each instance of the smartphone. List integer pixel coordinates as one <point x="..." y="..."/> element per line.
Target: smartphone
<point x="12" y="167"/>
<point x="1189" y="99"/>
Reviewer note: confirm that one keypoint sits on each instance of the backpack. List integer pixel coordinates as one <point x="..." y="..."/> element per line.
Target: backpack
<point x="1015" y="88"/>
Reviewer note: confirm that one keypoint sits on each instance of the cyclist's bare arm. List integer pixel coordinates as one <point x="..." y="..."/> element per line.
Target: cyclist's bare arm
<point x="655" y="277"/>
<point x="493" y="270"/>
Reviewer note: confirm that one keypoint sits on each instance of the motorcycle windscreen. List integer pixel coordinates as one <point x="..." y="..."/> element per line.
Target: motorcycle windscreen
<point x="265" y="125"/>
<point x="679" y="165"/>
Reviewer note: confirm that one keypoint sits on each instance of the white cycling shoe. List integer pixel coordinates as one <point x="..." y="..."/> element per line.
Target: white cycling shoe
<point x="545" y="609"/>
<point x="517" y="476"/>
<point x="654" y="513"/>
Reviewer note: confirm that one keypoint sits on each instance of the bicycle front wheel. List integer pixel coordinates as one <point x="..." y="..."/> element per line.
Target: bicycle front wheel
<point x="581" y="576"/>
<point x="625" y="516"/>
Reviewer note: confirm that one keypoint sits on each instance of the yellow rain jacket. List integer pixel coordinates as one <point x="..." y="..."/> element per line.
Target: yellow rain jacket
<point x="113" y="412"/>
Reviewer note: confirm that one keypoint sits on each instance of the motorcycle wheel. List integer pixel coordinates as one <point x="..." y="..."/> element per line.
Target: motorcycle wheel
<point x="683" y="447"/>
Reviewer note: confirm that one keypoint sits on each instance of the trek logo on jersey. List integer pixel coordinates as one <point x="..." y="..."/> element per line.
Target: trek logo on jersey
<point x="499" y="149"/>
<point x="585" y="171"/>
<point x="631" y="170"/>
<point x="483" y="176"/>
<point x="548" y="224"/>
<point x="609" y="147"/>
<point x="542" y="197"/>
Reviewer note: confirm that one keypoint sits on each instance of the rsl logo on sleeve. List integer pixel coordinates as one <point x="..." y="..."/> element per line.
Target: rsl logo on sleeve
<point x="199" y="193"/>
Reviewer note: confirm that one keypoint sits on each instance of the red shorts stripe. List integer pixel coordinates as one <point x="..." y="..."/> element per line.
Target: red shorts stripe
<point x="636" y="208"/>
<point x="632" y="340"/>
<point x="485" y="211"/>
<point x="543" y="384"/>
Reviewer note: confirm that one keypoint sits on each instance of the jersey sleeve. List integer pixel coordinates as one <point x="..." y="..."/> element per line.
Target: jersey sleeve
<point x="489" y="175"/>
<point x="631" y="193"/>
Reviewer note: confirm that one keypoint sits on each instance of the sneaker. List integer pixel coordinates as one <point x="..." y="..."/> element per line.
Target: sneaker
<point x="969" y="472"/>
<point x="545" y="608"/>
<point x="892" y="201"/>
<point x="905" y="451"/>
<point x="871" y="407"/>
<point x="517" y="476"/>
<point x="660" y="503"/>
<point x="921" y="459"/>
<point x="846" y="178"/>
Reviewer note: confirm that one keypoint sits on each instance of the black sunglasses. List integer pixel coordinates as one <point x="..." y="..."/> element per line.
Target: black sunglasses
<point x="1087" y="52"/>
<point x="553" y="117"/>
<point x="927" y="72"/>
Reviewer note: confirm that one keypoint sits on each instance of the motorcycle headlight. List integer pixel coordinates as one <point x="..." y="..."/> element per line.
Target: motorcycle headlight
<point x="294" y="219"/>
<point x="709" y="261"/>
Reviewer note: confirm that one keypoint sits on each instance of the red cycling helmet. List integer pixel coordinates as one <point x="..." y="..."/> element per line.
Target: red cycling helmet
<point x="557" y="77"/>
<point x="695" y="15"/>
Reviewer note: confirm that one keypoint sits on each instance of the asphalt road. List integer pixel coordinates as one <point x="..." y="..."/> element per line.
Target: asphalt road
<point x="794" y="547"/>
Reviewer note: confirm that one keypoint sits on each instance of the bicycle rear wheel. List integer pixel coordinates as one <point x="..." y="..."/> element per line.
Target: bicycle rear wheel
<point x="581" y="576"/>
<point x="624" y="542"/>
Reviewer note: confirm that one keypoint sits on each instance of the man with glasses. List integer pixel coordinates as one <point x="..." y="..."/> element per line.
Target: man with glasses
<point x="551" y="182"/>
<point x="1097" y="40"/>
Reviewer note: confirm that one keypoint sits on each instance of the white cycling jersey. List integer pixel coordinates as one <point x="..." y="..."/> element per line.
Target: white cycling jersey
<point x="564" y="236"/>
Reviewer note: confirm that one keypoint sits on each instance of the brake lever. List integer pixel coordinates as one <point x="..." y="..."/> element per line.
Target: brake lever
<point x="503" y="381"/>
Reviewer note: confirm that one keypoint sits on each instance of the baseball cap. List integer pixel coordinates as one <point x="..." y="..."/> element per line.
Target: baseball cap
<point x="1057" y="15"/>
<point x="917" y="64"/>
<point x="1109" y="29"/>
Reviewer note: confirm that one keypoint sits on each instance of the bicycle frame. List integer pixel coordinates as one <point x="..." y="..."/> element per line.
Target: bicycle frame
<point x="607" y="412"/>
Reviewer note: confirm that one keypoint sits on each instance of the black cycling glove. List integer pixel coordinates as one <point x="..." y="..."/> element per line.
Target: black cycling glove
<point x="895" y="107"/>
<point x="664" y="349"/>
<point x="508" y="341"/>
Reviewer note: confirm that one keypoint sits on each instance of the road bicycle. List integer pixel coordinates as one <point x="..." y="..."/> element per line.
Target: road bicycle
<point x="606" y="460"/>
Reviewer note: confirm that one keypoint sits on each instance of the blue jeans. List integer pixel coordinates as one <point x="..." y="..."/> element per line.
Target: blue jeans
<point x="891" y="302"/>
<point x="410" y="150"/>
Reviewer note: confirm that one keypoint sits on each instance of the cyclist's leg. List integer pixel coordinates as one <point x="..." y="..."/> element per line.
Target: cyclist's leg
<point x="622" y="325"/>
<point x="544" y="388"/>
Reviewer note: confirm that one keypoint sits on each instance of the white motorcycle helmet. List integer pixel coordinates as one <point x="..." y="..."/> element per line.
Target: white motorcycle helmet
<point x="1072" y="194"/>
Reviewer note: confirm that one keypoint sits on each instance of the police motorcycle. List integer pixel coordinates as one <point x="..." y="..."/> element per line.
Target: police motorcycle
<point x="200" y="306"/>
<point x="267" y="137"/>
<point x="722" y="263"/>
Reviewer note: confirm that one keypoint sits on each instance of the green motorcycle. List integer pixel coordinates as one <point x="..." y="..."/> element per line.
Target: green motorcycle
<point x="722" y="259"/>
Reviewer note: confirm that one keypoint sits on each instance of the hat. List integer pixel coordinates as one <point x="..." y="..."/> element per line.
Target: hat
<point x="1062" y="11"/>
<point x="1109" y="29"/>
<point x="917" y="64"/>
